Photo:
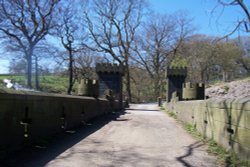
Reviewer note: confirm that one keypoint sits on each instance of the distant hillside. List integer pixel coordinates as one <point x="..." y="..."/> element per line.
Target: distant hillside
<point x="230" y="90"/>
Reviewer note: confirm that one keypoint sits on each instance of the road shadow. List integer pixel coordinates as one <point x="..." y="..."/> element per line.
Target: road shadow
<point x="189" y="152"/>
<point x="38" y="155"/>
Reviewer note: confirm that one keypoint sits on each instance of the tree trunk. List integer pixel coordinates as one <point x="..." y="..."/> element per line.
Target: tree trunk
<point x="156" y="88"/>
<point x="29" y="68"/>
<point x="127" y="75"/>
<point x="70" y="72"/>
<point x="37" y="73"/>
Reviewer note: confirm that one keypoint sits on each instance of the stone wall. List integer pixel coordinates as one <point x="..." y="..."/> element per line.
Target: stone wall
<point x="225" y="121"/>
<point x="43" y="114"/>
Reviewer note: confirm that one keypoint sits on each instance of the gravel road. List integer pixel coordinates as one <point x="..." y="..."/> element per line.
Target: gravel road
<point x="140" y="137"/>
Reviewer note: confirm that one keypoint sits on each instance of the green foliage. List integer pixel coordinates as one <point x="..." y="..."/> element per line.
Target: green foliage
<point x="178" y="62"/>
<point x="228" y="158"/>
<point x="192" y="130"/>
<point x="172" y="114"/>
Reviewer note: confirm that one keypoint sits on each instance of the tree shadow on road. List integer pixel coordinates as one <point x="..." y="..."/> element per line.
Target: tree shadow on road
<point x="190" y="149"/>
<point x="38" y="156"/>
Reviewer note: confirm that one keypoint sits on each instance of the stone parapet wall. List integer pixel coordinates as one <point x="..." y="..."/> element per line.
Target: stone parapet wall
<point x="225" y="121"/>
<point x="42" y="114"/>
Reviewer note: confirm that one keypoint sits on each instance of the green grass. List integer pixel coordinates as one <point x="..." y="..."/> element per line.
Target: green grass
<point x="162" y="108"/>
<point x="228" y="158"/>
<point x="48" y="83"/>
<point x="172" y="114"/>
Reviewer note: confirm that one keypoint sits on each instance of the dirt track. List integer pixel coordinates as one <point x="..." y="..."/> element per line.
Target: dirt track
<point x="142" y="136"/>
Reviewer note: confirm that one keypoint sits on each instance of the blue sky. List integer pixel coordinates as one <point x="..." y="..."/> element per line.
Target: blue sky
<point x="216" y="23"/>
<point x="208" y="17"/>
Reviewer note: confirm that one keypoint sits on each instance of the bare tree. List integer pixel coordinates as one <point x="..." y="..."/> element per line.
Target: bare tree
<point x="17" y="66"/>
<point x="245" y="21"/>
<point x="209" y="60"/>
<point x="43" y="51"/>
<point x="199" y="51"/>
<point x="112" y="30"/>
<point x="85" y="62"/>
<point x="244" y="43"/>
<point x="67" y="31"/>
<point x="161" y="37"/>
<point x="141" y="91"/>
<point x="229" y="54"/>
<point x="25" y="23"/>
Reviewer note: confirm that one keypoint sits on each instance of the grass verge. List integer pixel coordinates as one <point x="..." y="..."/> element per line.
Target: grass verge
<point x="172" y="114"/>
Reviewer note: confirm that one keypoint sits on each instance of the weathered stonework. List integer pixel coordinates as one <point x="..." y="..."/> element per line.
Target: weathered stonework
<point x="225" y="121"/>
<point x="110" y="78"/>
<point x="27" y="116"/>
<point x="175" y="79"/>
<point x="193" y="91"/>
<point x="88" y="87"/>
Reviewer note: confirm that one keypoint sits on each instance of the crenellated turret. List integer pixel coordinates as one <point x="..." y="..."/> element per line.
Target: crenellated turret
<point x="110" y="77"/>
<point x="193" y="91"/>
<point x="177" y="71"/>
<point x="109" y="68"/>
<point x="175" y="78"/>
<point x="88" y="87"/>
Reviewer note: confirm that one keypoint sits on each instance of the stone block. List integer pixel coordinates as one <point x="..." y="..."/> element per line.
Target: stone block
<point x="242" y="151"/>
<point x="216" y="103"/>
<point x="218" y="131"/>
<point x="225" y="121"/>
<point x="193" y="91"/>
<point x="241" y="118"/>
<point x="241" y="104"/>
<point x="218" y="114"/>
<point x="241" y="136"/>
<point x="189" y="91"/>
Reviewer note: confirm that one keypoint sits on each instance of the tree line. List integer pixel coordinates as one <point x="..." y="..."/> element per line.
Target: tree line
<point x="75" y="34"/>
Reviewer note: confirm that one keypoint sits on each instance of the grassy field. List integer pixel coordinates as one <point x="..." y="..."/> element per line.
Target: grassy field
<point x="48" y="83"/>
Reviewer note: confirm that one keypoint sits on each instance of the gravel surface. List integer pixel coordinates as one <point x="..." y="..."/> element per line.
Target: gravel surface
<point x="140" y="137"/>
<point x="232" y="90"/>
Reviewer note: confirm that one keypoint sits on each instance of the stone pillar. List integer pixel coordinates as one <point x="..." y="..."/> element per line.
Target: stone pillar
<point x="175" y="79"/>
<point x="110" y="78"/>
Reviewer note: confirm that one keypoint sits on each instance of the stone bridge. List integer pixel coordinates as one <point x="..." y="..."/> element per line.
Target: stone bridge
<point x="138" y="136"/>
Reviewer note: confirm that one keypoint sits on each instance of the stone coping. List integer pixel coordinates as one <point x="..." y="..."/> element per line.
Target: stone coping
<point x="237" y="103"/>
<point x="42" y="94"/>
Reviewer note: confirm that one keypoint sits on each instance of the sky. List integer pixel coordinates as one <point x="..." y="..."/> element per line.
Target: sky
<point x="208" y="18"/>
